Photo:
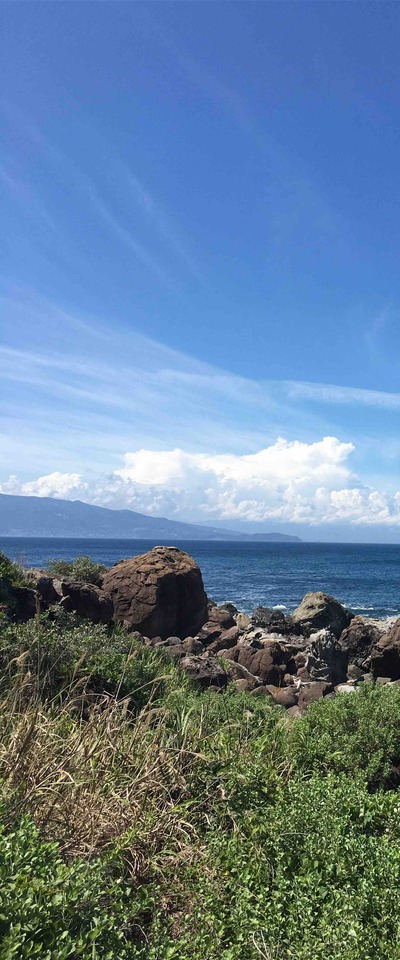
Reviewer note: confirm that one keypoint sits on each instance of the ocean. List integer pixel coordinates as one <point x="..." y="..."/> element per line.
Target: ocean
<point x="365" y="577"/>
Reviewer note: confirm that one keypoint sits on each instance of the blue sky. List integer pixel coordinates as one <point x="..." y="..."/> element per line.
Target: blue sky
<point x="200" y="279"/>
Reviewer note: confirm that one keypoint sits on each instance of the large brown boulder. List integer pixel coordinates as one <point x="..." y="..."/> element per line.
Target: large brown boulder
<point x="385" y="656"/>
<point x="159" y="593"/>
<point x="319" y="610"/>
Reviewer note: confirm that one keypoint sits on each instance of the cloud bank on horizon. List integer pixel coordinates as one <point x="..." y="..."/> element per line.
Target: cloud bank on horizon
<point x="287" y="482"/>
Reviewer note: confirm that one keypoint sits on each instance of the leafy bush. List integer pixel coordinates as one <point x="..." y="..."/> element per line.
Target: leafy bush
<point x="60" y="568"/>
<point x="12" y="573"/>
<point x="51" y="909"/>
<point x="352" y="733"/>
<point x="82" y="568"/>
<point x="53" y="654"/>
<point x="314" y="878"/>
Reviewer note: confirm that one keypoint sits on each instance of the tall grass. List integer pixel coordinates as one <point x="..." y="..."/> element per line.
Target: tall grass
<point x="90" y="772"/>
<point x="92" y="768"/>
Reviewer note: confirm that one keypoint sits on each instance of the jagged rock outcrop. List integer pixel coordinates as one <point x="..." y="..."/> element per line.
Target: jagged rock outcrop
<point x="159" y="593"/>
<point x="274" y="621"/>
<point x="205" y="670"/>
<point x="385" y="655"/>
<point x="326" y="659"/>
<point x="86" y="601"/>
<point x="319" y="610"/>
<point x="320" y="650"/>
<point x="359" y="638"/>
<point x="267" y="659"/>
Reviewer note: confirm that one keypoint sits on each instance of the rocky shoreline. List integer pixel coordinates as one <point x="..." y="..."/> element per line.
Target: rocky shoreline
<point x="320" y="650"/>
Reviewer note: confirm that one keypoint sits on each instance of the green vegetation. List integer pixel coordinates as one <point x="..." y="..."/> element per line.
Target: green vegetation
<point x="141" y="819"/>
<point x="11" y="573"/>
<point x="82" y="568"/>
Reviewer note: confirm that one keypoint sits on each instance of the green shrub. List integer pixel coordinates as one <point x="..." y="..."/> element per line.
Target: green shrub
<point x="240" y="744"/>
<point x="60" y="568"/>
<point x="12" y="573"/>
<point x="51" y="909"/>
<point x="316" y="877"/>
<point x="352" y="733"/>
<point x="82" y="568"/>
<point x="56" y="653"/>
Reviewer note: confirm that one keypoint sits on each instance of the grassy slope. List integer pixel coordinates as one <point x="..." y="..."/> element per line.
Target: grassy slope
<point x="141" y="819"/>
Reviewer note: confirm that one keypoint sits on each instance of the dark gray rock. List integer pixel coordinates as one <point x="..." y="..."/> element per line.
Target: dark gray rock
<point x="192" y="645"/>
<point x="359" y="638"/>
<point x="27" y="604"/>
<point x="284" y="696"/>
<point x="87" y="601"/>
<point x="18" y="603"/>
<point x="261" y="691"/>
<point x="385" y="655"/>
<point x="209" y="632"/>
<point x="310" y="692"/>
<point x="236" y="671"/>
<point x="204" y="670"/>
<point x="326" y="659"/>
<point x="222" y="616"/>
<point x="267" y="660"/>
<point x="226" y="640"/>
<point x="48" y="588"/>
<point x="274" y="621"/>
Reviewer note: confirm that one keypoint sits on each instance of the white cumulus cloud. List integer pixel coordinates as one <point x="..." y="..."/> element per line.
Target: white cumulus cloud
<point x="286" y="482"/>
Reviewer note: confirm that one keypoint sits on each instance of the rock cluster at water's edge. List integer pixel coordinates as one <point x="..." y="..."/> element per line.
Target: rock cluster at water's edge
<point x="320" y="650"/>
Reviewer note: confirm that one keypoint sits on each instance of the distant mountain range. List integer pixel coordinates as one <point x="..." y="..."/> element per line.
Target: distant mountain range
<point x="47" y="517"/>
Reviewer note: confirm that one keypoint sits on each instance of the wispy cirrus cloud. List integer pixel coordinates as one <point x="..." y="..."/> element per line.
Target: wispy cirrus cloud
<point x="334" y="394"/>
<point x="155" y="213"/>
<point x="293" y="199"/>
<point x="126" y="237"/>
<point x="101" y="196"/>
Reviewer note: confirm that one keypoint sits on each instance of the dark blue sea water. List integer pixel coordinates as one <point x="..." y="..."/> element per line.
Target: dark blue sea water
<point x="366" y="577"/>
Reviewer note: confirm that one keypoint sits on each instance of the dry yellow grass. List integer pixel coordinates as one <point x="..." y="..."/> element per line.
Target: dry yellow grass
<point x="90" y="776"/>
